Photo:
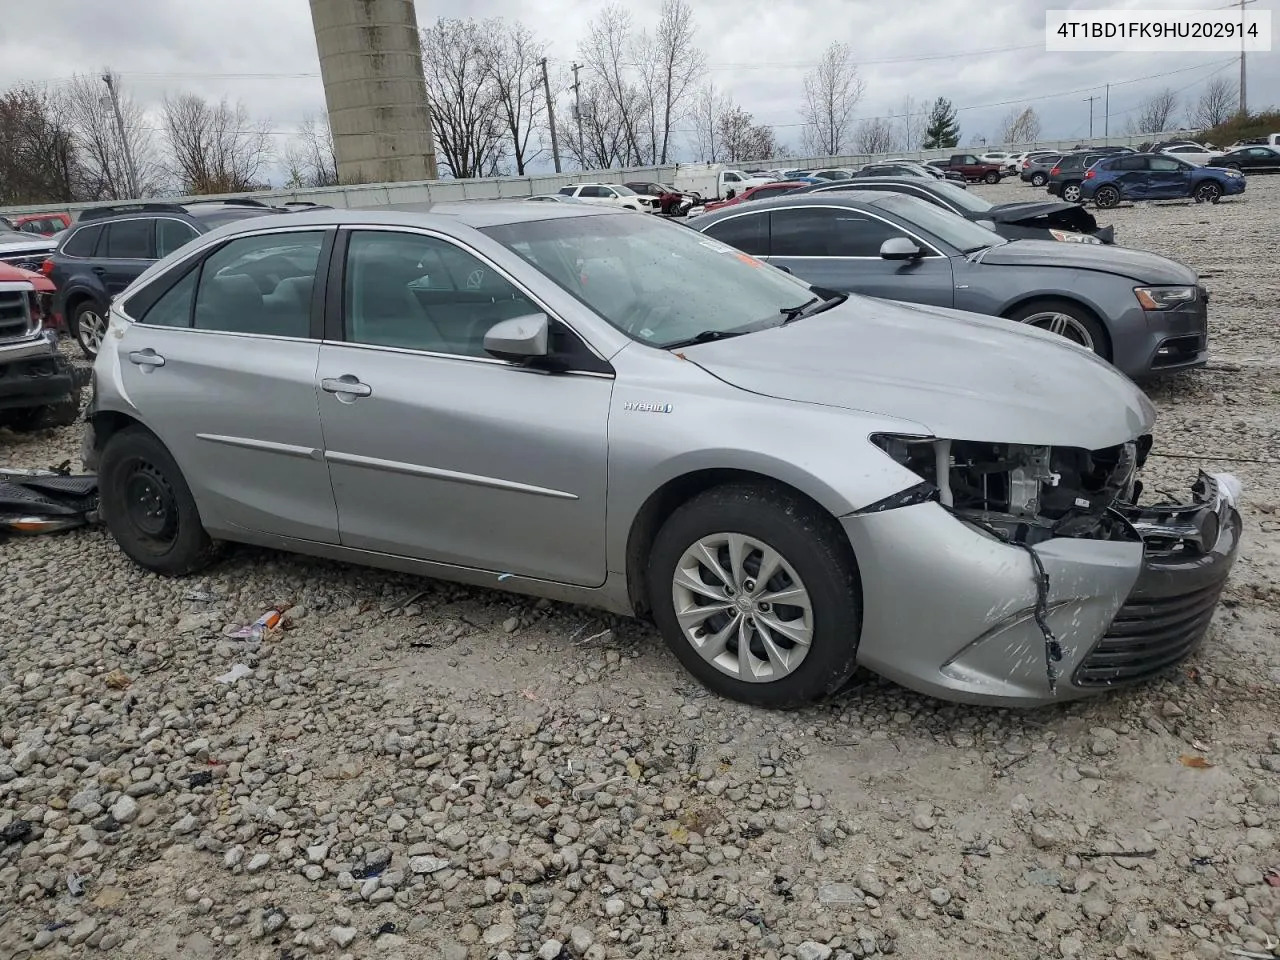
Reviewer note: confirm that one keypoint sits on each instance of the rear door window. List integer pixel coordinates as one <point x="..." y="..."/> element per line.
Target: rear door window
<point x="130" y="240"/>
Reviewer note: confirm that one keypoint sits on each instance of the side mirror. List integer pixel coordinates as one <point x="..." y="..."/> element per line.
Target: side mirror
<point x="900" y="248"/>
<point x="518" y="339"/>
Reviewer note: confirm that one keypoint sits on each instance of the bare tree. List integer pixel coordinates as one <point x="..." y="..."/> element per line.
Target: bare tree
<point x="38" y="158"/>
<point x="914" y="123"/>
<point x="1218" y="103"/>
<point x="603" y="143"/>
<point x="1155" y="114"/>
<point x="104" y="154"/>
<point x="1020" y="126"/>
<point x="742" y="138"/>
<point x="708" y="106"/>
<point x="877" y="135"/>
<point x="466" y="107"/>
<point x="831" y="92"/>
<point x="214" y="147"/>
<point x="605" y="53"/>
<point x="310" y="157"/>
<point x="668" y="62"/>
<point x="516" y="72"/>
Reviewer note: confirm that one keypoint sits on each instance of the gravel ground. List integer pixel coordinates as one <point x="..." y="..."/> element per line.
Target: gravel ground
<point x="420" y="770"/>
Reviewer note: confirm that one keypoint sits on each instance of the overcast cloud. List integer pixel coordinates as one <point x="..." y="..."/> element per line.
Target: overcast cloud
<point x="263" y="52"/>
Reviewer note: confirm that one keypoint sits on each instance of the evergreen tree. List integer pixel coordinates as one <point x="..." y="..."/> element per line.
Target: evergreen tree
<point x="943" y="130"/>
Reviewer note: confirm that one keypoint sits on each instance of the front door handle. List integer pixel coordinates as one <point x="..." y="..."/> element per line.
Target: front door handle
<point x="100" y="271"/>
<point x="146" y="358"/>
<point x="346" y="384"/>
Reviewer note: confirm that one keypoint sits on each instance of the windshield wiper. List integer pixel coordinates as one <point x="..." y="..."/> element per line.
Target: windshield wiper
<point x="705" y="336"/>
<point x="816" y="305"/>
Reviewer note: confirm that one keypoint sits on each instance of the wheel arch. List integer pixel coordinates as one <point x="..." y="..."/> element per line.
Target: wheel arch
<point x="677" y="491"/>
<point x="1072" y="298"/>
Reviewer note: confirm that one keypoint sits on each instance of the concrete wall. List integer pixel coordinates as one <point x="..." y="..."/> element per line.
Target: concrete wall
<point x="436" y="191"/>
<point x="371" y="65"/>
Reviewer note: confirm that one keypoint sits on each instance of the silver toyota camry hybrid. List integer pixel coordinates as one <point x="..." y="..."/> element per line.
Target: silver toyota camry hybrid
<point x="582" y="404"/>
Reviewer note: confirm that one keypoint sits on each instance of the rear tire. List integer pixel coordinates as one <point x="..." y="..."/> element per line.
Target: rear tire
<point x="146" y="504"/>
<point x="1039" y="179"/>
<point x="1071" y="192"/>
<point x="1106" y="197"/>
<point x="795" y="653"/>
<point x="88" y="325"/>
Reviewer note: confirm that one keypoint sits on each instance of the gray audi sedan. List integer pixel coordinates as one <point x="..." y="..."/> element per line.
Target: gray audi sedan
<point x="1143" y="312"/>
<point x="582" y="404"/>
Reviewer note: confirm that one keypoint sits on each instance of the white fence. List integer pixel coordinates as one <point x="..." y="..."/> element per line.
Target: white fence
<point x="496" y="188"/>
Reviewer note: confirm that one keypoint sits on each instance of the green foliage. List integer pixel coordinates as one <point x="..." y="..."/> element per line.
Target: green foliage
<point x="943" y="130"/>
<point x="1259" y="124"/>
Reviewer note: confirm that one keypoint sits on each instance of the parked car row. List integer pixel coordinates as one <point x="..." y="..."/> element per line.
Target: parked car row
<point x="867" y="452"/>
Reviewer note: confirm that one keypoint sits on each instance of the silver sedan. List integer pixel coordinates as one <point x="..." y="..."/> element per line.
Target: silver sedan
<point x="614" y="410"/>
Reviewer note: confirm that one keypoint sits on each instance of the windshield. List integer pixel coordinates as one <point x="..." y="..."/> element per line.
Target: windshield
<point x="657" y="282"/>
<point x="951" y="228"/>
<point x="961" y="197"/>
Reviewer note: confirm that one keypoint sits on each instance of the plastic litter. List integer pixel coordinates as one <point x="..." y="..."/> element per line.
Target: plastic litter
<point x="260" y="627"/>
<point x="238" y="672"/>
<point x="75" y="884"/>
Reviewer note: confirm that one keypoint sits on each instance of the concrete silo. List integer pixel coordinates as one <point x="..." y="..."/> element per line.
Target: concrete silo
<point x="371" y="65"/>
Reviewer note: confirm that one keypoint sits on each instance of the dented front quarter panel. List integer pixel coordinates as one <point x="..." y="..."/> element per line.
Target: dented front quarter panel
<point x="947" y="610"/>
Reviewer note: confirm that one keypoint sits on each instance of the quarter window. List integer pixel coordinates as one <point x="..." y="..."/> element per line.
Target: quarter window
<point x="827" y="232"/>
<point x="260" y="284"/>
<point x="748" y="233"/>
<point x="129" y="239"/>
<point x="423" y="293"/>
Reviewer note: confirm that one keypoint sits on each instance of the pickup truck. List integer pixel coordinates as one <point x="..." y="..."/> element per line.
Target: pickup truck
<point x="971" y="167"/>
<point x="713" y="181"/>
<point x="38" y="386"/>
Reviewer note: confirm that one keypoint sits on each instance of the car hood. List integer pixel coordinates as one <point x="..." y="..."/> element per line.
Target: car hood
<point x="961" y="375"/>
<point x="1055" y="213"/>
<point x="1122" y="261"/>
<point x="14" y="242"/>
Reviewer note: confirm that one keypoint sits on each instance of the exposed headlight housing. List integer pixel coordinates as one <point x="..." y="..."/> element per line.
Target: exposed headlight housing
<point x="1029" y="493"/>
<point x="1164" y="298"/>
<point x="1068" y="236"/>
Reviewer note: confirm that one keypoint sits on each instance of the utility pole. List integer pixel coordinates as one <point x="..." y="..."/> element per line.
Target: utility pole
<point x="131" y="171"/>
<point x="551" y="115"/>
<point x="1106" y="115"/>
<point x="577" y="108"/>
<point x="1089" y="101"/>
<point x="1244" y="99"/>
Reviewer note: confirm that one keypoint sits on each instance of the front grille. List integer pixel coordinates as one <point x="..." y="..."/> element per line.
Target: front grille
<point x="1148" y="636"/>
<point x="15" y="314"/>
<point x="25" y="261"/>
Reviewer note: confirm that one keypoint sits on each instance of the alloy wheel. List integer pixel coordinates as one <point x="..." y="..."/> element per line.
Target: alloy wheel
<point x="1208" y="193"/>
<point x="1064" y="325"/>
<point x="1071" y="193"/>
<point x="743" y="607"/>
<point x="90" y="329"/>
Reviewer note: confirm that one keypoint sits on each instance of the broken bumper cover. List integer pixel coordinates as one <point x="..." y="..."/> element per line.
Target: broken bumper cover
<point x="949" y="610"/>
<point x="33" y="373"/>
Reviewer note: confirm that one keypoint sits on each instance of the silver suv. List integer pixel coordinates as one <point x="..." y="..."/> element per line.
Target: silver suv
<point x="582" y="404"/>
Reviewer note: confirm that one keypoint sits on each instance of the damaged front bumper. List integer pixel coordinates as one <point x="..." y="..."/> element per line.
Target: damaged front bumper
<point x="33" y="373"/>
<point x="949" y="610"/>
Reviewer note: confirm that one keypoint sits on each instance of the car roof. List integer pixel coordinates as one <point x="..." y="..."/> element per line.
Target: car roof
<point x="839" y="185"/>
<point x="834" y="198"/>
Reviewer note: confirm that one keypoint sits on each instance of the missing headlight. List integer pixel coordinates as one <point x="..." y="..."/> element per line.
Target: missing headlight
<point x="1029" y="493"/>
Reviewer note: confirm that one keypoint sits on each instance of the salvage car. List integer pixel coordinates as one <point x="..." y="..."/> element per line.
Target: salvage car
<point x="1153" y="176"/>
<point x="24" y="250"/>
<point x="1249" y="160"/>
<point x="560" y="366"/>
<point x="1144" y="313"/>
<point x="1035" y="220"/>
<point x="38" y="386"/>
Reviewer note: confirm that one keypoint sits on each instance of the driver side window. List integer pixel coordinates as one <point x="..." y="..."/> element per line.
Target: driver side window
<point x="424" y="293"/>
<point x="260" y="284"/>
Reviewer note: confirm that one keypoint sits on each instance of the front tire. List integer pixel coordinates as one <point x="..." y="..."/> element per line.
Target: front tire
<point x="756" y="592"/>
<point x="1208" y="192"/>
<point x="1039" y="179"/>
<point x="1106" y="197"/>
<point x="89" y="326"/>
<point x="146" y="504"/>
<point x="1071" y="192"/>
<point x="1066" y="319"/>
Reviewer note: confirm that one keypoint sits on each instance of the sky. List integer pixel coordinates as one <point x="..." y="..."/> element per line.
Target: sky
<point x="985" y="56"/>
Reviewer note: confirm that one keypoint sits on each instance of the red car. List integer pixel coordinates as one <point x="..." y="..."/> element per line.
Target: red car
<point x="44" y="224"/>
<point x="44" y="289"/>
<point x="761" y="192"/>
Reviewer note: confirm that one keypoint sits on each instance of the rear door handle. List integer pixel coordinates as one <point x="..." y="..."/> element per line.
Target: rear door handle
<point x="146" y="358"/>
<point x="100" y="271"/>
<point x="346" y="384"/>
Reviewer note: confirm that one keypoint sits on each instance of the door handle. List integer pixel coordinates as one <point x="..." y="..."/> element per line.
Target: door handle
<point x="146" y="358"/>
<point x="100" y="271"/>
<point x="346" y="384"/>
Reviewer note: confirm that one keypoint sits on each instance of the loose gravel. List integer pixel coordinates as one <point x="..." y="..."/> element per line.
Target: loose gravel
<point x="412" y="769"/>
